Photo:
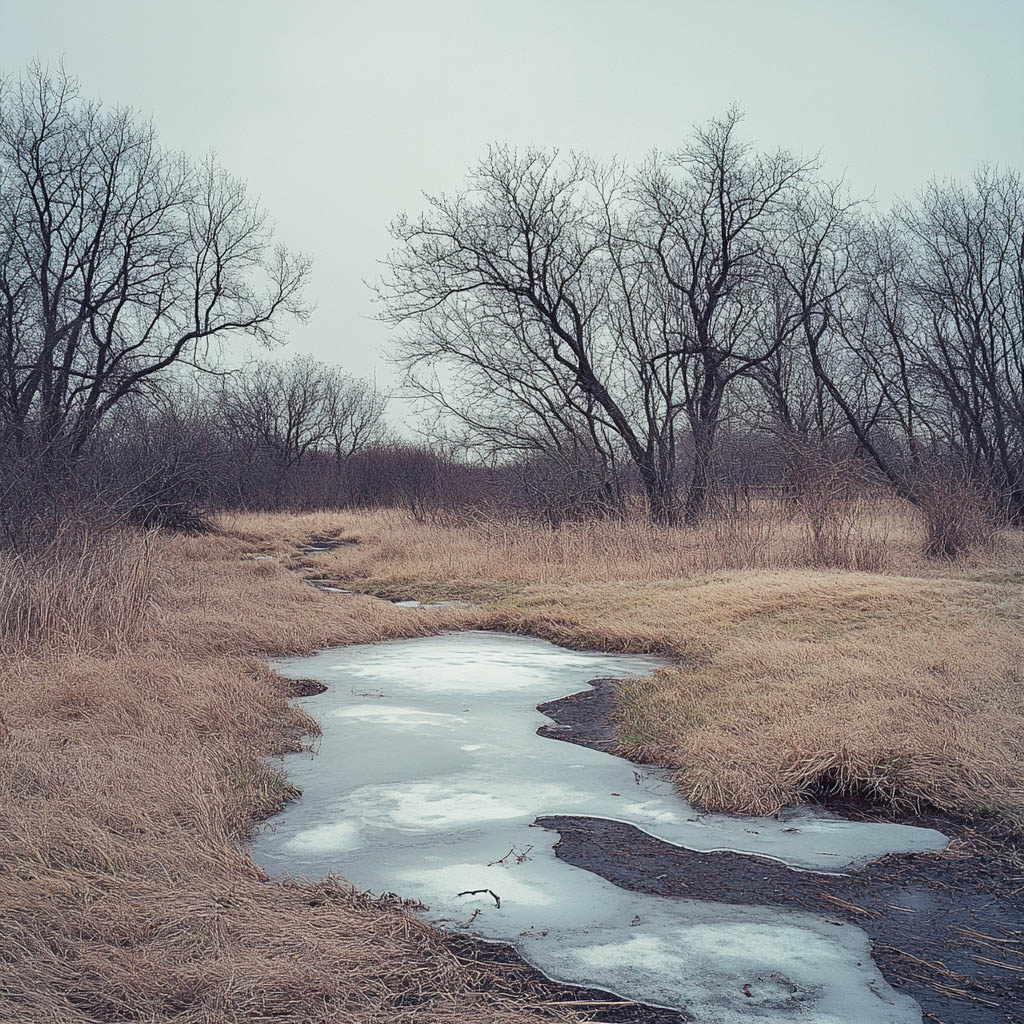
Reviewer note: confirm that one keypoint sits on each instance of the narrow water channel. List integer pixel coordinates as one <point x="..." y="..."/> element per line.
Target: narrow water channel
<point x="428" y="779"/>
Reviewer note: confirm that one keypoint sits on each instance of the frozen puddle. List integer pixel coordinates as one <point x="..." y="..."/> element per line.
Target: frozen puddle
<point x="427" y="781"/>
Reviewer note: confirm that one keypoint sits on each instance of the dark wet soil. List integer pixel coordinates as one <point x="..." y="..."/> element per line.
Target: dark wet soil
<point x="947" y="928"/>
<point x="584" y="718"/>
<point x="302" y="687"/>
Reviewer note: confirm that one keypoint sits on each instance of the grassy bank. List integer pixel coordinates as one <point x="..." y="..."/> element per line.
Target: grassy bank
<point x="904" y="684"/>
<point x="131" y="768"/>
<point x="138" y="710"/>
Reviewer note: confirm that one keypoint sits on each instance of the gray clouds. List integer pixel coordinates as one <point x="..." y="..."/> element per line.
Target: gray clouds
<point x="339" y="114"/>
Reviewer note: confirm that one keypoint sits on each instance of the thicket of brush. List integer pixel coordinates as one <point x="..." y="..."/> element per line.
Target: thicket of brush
<point x="166" y="470"/>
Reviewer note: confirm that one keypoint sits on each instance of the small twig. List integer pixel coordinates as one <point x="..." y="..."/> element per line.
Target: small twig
<point x="520" y="856"/>
<point x="934" y="965"/>
<point x="959" y="993"/>
<point x="476" y="892"/>
<point x="589" y="1002"/>
<point x="851" y="907"/>
<point x="985" y="937"/>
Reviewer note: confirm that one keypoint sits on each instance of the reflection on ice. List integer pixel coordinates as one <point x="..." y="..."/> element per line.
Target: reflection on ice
<point x="399" y="718"/>
<point x="427" y="790"/>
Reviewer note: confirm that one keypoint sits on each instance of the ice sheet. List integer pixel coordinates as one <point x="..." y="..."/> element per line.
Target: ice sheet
<point x="429" y="772"/>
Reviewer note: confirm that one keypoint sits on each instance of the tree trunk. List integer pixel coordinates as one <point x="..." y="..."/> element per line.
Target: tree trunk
<point x="660" y="494"/>
<point x="700" y="484"/>
<point x="705" y="427"/>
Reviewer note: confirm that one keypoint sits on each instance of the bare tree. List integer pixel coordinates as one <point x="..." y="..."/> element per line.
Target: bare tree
<point x="711" y="220"/>
<point x="823" y="265"/>
<point x="118" y="261"/>
<point x="282" y="412"/>
<point x="559" y="306"/>
<point x="354" y="409"/>
<point x="914" y="325"/>
<point x="967" y="322"/>
<point x="504" y="288"/>
<point x="781" y="397"/>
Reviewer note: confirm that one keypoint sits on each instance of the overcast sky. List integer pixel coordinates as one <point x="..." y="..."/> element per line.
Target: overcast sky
<point x="339" y="114"/>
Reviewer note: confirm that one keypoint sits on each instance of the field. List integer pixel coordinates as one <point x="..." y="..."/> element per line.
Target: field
<point x="138" y="714"/>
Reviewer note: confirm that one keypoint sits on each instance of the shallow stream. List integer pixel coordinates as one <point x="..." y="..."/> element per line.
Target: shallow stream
<point x="427" y="781"/>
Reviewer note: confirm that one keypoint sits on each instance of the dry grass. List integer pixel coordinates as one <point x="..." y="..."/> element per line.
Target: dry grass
<point x="496" y="555"/>
<point x="133" y="765"/>
<point x="907" y="690"/>
<point x="905" y="686"/>
<point x="77" y="591"/>
<point x="131" y="770"/>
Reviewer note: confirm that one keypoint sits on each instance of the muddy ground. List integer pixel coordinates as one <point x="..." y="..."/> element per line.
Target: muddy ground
<point x="946" y="928"/>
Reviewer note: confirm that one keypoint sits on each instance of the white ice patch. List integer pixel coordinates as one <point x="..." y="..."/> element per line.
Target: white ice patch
<point x="742" y="968"/>
<point x="392" y="802"/>
<point x="399" y="718"/>
<point x="334" y="838"/>
<point x="428" y="806"/>
<point x="438" y="885"/>
<point x="431" y="806"/>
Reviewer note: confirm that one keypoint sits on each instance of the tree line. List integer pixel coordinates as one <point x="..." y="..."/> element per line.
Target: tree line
<point x="587" y="334"/>
<point x="124" y="270"/>
<point x="601" y="314"/>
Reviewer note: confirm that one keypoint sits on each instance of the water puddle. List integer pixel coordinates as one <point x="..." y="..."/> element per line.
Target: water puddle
<point x="331" y="586"/>
<point x="427" y="782"/>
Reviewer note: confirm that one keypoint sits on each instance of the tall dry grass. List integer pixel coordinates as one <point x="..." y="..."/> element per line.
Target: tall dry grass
<point x="77" y="590"/>
<point x="489" y="555"/>
<point x="137" y="716"/>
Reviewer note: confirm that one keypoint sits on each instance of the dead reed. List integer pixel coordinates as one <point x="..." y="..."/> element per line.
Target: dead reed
<point x="77" y="590"/>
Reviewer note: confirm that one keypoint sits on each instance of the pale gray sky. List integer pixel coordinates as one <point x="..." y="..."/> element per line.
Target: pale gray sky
<point x="340" y="113"/>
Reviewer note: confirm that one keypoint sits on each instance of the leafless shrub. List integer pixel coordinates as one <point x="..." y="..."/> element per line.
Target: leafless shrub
<point x="830" y="515"/>
<point x="959" y="515"/>
<point x="832" y="499"/>
<point x="741" y="538"/>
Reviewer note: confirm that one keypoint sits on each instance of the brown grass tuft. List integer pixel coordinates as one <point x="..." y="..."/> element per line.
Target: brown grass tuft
<point x="78" y="591"/>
